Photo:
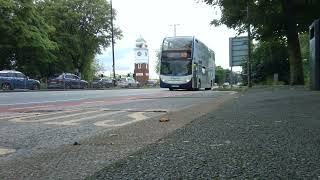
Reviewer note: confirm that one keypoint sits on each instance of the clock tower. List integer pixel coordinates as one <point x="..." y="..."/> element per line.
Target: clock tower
<point x="141" y="63"/>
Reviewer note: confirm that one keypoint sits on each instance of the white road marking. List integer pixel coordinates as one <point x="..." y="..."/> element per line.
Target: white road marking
<point x="74" y="122"/>
<point x="93" y="102"/>
<point x="138" y="116"/>
<point x="18" y="115"/>
<point x="37" y="114"/>
<point x="41" y="102"/>
<point x="31" y="107"/>
<point x="4" y="151"/>
<point x="53" y="118"/>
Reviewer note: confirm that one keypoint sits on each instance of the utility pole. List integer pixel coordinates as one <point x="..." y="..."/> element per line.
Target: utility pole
<point x="112" y="45"/>
<point x="249" y="49"/>
<point x="175" y="29"/>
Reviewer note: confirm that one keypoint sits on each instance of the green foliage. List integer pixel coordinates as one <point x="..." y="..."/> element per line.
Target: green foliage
<point x="158" y="56"/>
<point x="93" y="70"/>
<point x="42" y="38"/>
<point x="220" y="75"/>
<point x="24" y="44"/>
<point x="305" y="54"/>
<point x="224" y="75"/>
<point x="275" y="20"/>
<point x="269" y="58"/>
<point x="83" y="27"/>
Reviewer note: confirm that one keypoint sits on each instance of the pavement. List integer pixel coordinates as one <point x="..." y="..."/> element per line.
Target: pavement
<point x="265" y="133"/>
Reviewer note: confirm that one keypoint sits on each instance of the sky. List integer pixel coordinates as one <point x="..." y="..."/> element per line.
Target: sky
<point x="153" y="20"/>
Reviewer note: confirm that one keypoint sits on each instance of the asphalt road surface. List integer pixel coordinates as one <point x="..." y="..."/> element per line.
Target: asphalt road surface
<point x="72" y="134"/>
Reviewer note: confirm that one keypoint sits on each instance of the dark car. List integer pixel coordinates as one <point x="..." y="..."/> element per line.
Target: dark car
<point x="10" y="80"/>
<point x="67" y="81"/>
<point x="102" y="83"/>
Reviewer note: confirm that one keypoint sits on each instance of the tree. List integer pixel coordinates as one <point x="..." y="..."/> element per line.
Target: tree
<point x="82" y="29"/>
<point x="269" y="58"/>
<point x="281" y="20"/>
<point x="221" y="75"/>
<point x="158" y="60"/>
<point x="24" y="44"/>
<point x="305" y="53"/>
<point x="94" y="69"/>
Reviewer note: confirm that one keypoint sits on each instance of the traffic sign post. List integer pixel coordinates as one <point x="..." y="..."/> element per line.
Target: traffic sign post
<point x="239" y="53"/>
<point x="238" y="50"/>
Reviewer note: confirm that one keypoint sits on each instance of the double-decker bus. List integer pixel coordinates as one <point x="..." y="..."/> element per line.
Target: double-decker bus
<point x="186" y="63"/>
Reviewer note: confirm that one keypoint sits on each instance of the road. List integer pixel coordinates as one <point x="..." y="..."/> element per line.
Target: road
<point x="40" y="131"/>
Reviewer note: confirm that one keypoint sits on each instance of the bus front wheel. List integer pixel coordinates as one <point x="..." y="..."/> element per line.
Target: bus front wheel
<point x="170" y="89"/>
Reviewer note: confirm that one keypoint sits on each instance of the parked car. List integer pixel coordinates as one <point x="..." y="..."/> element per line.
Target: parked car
<point x="152" y="83"/>
<point x="101" y="83"/>
<point x="127" y="82"/>
<point x="10" y="80"/>
<point x="226" y="84"/>
<point x="67" y="81"/>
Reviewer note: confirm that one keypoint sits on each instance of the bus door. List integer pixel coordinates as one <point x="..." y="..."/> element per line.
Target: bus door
<point x="194" y="75"/>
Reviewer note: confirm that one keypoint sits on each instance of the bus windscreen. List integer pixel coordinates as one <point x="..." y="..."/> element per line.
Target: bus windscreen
<point x="176" y="68"/>
<point x="177" y="44"/>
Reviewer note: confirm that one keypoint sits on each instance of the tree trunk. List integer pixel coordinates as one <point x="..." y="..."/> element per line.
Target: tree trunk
<point x="296" y="69"/>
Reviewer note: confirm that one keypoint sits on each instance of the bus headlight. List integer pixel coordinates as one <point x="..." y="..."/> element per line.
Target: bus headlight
<point x="165" y="80"/>
<point x="188" y="79"/>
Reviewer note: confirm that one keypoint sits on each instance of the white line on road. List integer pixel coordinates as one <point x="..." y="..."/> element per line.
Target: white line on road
<point x="4" y="151"/>
<point x="46" y="106"/>
<point x="19" y="115"/>
<point x="40" y="102"/>
<point x="36" y="114"/>
<point x="74" y="122"/>
<point x="138" y="116"/>
<point x="54" y="118"/>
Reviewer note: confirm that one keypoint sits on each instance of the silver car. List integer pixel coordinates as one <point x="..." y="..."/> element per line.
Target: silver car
<point x="127" y="83"/>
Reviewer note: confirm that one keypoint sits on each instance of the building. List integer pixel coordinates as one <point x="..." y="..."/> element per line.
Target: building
<point x="141" y="63"/>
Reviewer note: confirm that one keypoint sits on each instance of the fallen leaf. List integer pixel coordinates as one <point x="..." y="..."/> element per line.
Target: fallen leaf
<point x="164" y="119"/>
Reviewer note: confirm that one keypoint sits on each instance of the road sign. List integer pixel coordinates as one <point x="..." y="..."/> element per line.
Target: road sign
<point x="238" y="50"/>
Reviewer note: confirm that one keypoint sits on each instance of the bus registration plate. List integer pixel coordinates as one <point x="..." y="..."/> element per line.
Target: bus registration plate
<point x="174" y="85"/>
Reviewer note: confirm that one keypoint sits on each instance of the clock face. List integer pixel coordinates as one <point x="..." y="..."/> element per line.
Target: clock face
<point x="139" y="53"/>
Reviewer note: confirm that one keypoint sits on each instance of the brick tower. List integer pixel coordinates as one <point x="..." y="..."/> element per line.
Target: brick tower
<point x="141" y="63"/>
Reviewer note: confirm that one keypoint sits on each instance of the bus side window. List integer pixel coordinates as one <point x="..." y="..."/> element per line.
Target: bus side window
<point x="203" y="70"/>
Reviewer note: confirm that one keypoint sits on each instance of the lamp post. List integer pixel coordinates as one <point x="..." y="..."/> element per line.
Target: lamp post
<point x="249" y="49"/>
<point x="112" y="45"/>
<point x="175" y="29"/>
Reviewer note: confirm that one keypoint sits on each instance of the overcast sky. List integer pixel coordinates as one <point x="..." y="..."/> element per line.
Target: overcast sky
<point x="152" y="19"/>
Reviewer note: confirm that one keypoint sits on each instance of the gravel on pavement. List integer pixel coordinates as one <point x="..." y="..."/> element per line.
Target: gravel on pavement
<point x="266" y="133"/>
